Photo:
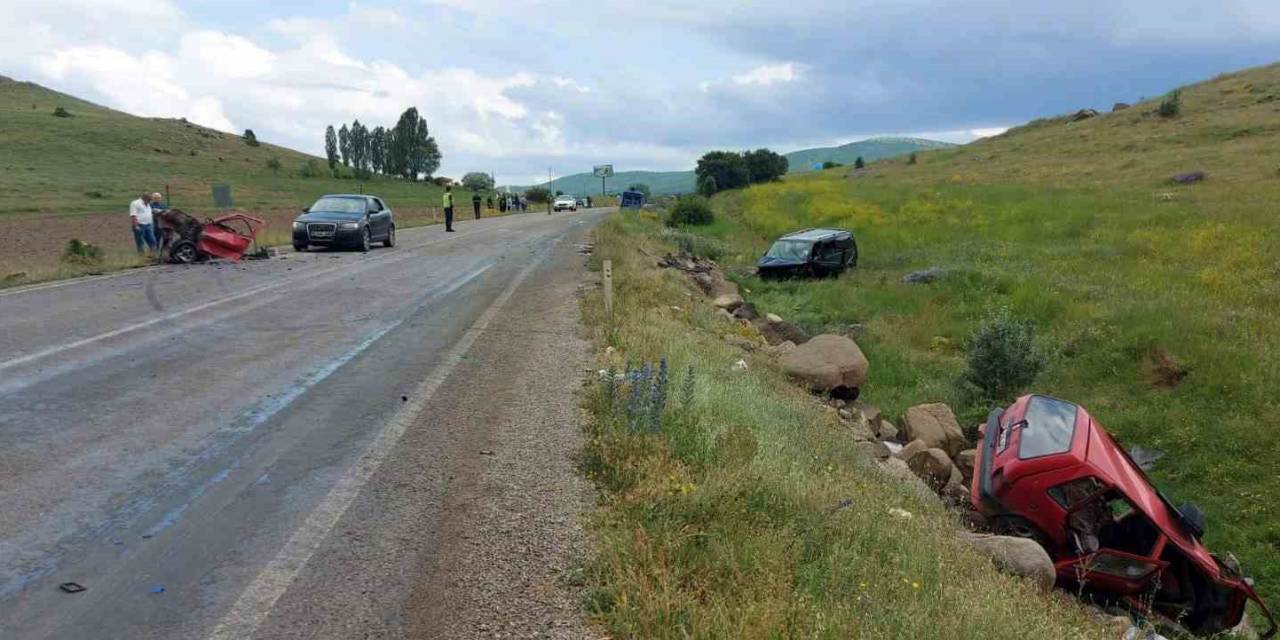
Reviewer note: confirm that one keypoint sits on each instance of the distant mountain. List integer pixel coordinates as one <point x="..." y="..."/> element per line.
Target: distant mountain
<point x="870" y="150"/>
<point x="673" y="182"/>
<point x="660" y="182"/>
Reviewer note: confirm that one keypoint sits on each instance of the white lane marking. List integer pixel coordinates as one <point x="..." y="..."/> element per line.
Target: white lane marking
<point x="257" y="600"/>
<point x="54" y="350"/>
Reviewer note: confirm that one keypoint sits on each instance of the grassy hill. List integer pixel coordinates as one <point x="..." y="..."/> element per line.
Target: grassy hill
<point x="98" y="159"/>
<point x="869" y="150"/>
<point x="675" y="182"/>
<point x="1155" y="305"/>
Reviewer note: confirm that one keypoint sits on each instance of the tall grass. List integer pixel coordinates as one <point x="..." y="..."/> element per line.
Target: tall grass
<point x="1112" y="280"/>
<point x="747" y="512"/>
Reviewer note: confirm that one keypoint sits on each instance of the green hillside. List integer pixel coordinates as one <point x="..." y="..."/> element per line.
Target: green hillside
<point x="676" y="182"/>
<point x="98" y="159"/>
<point x="869" y="150"/>
<point x="1156" y="304"/>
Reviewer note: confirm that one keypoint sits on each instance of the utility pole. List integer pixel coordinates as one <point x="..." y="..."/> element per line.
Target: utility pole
<point x="549" y="196"/>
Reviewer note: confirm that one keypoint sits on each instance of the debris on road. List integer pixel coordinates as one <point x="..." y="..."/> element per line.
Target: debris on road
<point x="157" y="589"/>
<point x="72" y="587"/>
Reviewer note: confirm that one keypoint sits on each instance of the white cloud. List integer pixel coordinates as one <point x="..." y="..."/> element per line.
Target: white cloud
<point x="768" y="74"/>
<point x="226" y="55"/>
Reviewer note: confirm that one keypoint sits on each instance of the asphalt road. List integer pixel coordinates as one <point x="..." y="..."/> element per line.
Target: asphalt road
<point x="305" y="446"/>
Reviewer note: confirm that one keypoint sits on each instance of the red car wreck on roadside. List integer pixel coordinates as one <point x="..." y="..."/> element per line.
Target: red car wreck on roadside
<point x="1047" y="471"/>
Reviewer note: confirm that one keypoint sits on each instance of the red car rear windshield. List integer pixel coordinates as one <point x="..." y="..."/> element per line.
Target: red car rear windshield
<point x="1050" y="425"/>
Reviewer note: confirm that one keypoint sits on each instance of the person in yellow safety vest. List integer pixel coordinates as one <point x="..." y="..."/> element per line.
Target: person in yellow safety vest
<point x="448" y="209"/>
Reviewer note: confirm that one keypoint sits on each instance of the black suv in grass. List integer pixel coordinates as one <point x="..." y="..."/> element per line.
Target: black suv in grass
<point x="810" y="253"/>
<point x="345" y="220"/>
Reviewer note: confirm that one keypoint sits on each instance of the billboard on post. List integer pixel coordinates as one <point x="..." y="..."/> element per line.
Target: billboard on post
<point x="603" y="171"/>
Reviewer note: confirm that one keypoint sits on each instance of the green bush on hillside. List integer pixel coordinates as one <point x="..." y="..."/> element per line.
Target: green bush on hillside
<point x="1171" y="105"/>
<point x="59" y="112"/>
<point x="311" y="169"/>
<point x="690" y="210"/>
<point x="250" y="138"/>
<point x="1003" y="356"/>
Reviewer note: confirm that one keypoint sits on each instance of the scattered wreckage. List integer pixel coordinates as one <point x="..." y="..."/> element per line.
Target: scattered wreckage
<point x="1048" y="471"/>
<point x="184" y="240"/>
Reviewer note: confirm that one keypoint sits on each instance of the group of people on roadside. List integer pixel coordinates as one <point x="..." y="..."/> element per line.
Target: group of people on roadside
<point x="142" y="214"/>
<point x="506" y="202"/>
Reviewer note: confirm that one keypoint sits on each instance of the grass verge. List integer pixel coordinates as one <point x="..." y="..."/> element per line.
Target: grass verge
<point x="744" y="510"/>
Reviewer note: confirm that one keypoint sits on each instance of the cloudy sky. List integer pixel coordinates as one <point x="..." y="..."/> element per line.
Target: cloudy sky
<point x="516" y="87"/>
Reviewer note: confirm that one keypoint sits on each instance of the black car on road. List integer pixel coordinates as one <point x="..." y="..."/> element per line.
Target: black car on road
<point x="814" y="253"/>
<point x="353" y="221"/>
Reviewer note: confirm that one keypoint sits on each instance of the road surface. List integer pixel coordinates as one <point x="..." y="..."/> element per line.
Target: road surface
<point x="321" y="445"/>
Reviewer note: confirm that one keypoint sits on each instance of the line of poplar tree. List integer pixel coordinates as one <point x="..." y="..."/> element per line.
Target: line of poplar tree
<point x="406" y="150"/>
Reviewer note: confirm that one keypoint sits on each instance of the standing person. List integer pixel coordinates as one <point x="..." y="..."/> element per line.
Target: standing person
<point x="489" y="202"/>
<point x="475" y="204"/>
<point x="448" y="209"/>
<point x="502" y="204"/>
<point x="141" y="218"/>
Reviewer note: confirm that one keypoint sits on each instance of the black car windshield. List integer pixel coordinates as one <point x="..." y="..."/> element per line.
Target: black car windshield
<point x="1050" y="425"/>
<point x="789" y="250"/>
<point x="339" y="205"/>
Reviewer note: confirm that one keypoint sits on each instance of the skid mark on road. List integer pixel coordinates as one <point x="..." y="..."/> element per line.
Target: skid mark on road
<point x="258" y="599"/>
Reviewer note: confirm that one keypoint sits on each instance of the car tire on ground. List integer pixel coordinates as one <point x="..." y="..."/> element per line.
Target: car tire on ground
<point x="366" y="242"/>
<point x="184" y="252"/>
<point x="300" y="248"/>
<point x="391" y="237"/>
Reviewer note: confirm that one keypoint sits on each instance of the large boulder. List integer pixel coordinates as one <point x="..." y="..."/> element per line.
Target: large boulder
<point x="779" y="331"/>
<point x="897" y="469"/>
<point x="746" y="311"/>
<point x="1018" y="556"/>
<point x="936" y="425"/>
<point x="827" y="362"/>
<point x="965" y="461"/>
<point x="874" y="450"/>
<point x="912" y="448"/>
<point x="713" y="284"/>
<point x="886" y="431"/>
<point x="728" y="301"/>
<point x="933" y="466"/>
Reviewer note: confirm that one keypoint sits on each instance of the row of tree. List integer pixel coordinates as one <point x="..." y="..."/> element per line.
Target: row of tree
<point x="721" y="170"/>
<point x="406" y="150"/>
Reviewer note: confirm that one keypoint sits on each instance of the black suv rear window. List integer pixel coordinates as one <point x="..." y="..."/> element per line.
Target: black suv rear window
<point x="1050" y="426"/>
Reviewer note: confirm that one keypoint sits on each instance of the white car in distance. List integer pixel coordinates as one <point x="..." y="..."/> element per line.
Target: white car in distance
<point x="565" y="202"/>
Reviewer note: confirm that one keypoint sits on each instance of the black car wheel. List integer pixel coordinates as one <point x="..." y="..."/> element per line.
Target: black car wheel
<point x="366" y="242"/>
<point x="300" y="248"/>
<point x="391" y="237"/>
<point x="184" y="252"/>
<point x="1018" y="527"/>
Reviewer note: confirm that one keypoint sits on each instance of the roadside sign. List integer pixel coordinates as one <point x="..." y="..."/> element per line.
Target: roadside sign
<point x="222" y="196"/>
<point x="603" y="171"/>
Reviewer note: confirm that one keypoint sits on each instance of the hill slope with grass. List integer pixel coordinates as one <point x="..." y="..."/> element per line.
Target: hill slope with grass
<point x="97" y="159"/>
<point x="1155" y="305"/>
<point x="660" y="182"/>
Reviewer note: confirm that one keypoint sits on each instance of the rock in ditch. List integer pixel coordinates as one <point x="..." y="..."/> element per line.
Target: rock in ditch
<point x="826" y="363"/>
<point x="728" y="301"/>
<point x="912" y="448"/>
<point x="965" y="461"/>
<point x="898" y="470"/>
<point x="746" y="311"/>
<point x="886" y="431"/>
<point x="933" y="466"/>
<point x="1018" y="556"/>
<point x="924" y="276"/>
<point x="874" y="450"/>
<point x="936" y="425"/>
<point x="782" y="331"/>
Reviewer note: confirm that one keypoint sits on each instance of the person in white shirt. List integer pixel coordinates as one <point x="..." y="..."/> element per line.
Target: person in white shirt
<point x="143" y="228"/>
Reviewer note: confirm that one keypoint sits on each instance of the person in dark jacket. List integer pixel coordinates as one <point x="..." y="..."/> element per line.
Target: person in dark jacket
<point x="475" y="204"/>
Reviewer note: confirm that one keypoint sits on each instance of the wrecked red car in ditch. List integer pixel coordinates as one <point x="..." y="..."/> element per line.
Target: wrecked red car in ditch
<point x="1047" y="470"/>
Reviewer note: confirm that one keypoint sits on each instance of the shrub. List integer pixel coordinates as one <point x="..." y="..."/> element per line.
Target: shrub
<point x="911" y="159"/>
<point x="690" y="210"/>
<point x="1003" y="356"/>
<point x="311" y="169"/>
<point x="537" y="195"/>
<point x="59" y="112"/>
<point x="1171" y="105"/>
<point x="274" y="165"/>
<point x="80" y="252"/>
